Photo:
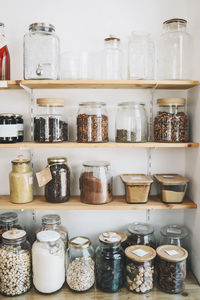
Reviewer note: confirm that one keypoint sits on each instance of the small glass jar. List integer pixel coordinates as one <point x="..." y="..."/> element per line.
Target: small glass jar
<point x="174" y="234"/>
<point x="41" y="52"/>
<point x="48" y="262"/>
<point x="15" y="262"/>
<point x="96" y="182"/>
<point x="141" y="234"/>
<point x="92" y="123"/>
<point x="49" y="124"/>
<point x="21" y="181"/>
<point x="131" y="123"/>
<point x="110" y="260"/>
<point x="8" y="221"/>
<point x="20" y="127"/>
<point x="171" y="268"/>
<point x="80" y="264"/>
<point x="140" y="268"/>
<point x="57" y="190"/>
<point x="8" y="128"/>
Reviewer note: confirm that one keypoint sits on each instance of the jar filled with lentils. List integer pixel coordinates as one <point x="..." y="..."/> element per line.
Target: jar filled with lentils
<point x="171" y="123"/>
<point x="92" y="123"/>
<point x="15" y="263"/>
<point x="141" y="234"/>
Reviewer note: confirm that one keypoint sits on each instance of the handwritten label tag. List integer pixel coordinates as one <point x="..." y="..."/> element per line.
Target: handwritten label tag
<point x="3" y="84"/>
<point x="80" y="241"/>
<point x="140" y="252"/>
<point x="43" y="177"/>
<point x="174" y="230"/>
<point x="171" y="252"/>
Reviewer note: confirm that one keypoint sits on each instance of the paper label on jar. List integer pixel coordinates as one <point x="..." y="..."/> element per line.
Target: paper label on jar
<point x="80" y="241"/>
<point x="3" y="84"/>
<point x="43" y="177"/>
<point x="8" y="130"/>
<point x="30" y="180"/>
<point x="171" y="252"/>
<point x="174" y="230"/>
<point x="140" y="252"/>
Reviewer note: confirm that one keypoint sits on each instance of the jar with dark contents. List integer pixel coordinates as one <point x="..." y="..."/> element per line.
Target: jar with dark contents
<point x="92" y="123"/>
<point x="58" y="189"/>
<point x="8" y="221"/>
<point x="174" y="234"/>
<point x="141" y="234"/>
<point x="20" y="127"/>
<point x="8" y="128"/>
<point x="171" y="268"/>
<point x="110" y="261"/>
<point x="124" y="237"/>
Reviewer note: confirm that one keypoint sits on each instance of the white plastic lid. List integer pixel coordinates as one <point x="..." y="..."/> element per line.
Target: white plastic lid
<point x="48" y="236"/>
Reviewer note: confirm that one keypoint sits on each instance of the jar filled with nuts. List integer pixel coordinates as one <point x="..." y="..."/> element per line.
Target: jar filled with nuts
<point x="80" y="264"/>
<point x="140" y="268"/>
<point x="8" y="220"/>
<point x="15" y="263"/>
<point x="141" y="234"/>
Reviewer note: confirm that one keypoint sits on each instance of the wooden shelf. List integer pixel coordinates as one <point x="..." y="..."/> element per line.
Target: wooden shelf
<point x="74" y="203"/>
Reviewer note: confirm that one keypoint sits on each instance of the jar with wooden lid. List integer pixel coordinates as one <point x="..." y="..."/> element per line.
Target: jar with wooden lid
<point x="141" y="234"/>
<point x="140" y="268"/>
<point x="171" y="268"/>
<point x="80" y="264"/>
<point x="21" y="181"/>
<point x="124" y="237"/>
<point x="8" y="221"/>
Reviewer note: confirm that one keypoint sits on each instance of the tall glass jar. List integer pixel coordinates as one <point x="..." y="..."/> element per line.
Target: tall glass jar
<point x="174" y="234"/>
<point x="175" y="51"/>
<point x="171" y="123"/>
<point x="141" y="234"/>
<point x="141" y="56"/>
<point x="80" y="271"/>
<point x="110" y="260"/>
<point x="131" y="123"/>
<point x="48" y="262"/>
<point x="8" y="221"/>
<point x="92" y="123"/>
<point x="96" y="182"/>
<point x="21" y="181"/>
<point x="58" y="189"/>
<point x="15" y="262"/>
<point x="50" y="125"/>
<point x="41" y="52"/>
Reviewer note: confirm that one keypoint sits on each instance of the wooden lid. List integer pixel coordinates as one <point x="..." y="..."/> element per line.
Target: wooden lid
<point x="171" y="179"/>
<point x="50" y="102"/>
<point x="172" y="253"/>
<point x="139" y="179"/>
<point x="110" y="237"/>
<point x="140" y="253"/>
<point x="123" y="235"/>
<point x="171" y="101"/>
<point x="79" y="242"/>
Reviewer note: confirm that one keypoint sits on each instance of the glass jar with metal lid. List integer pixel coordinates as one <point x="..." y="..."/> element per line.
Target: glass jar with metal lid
<point x="20" y="127"/>
<point x="171" y="123"/>
<point x="15" y="262"/>
<point x="57" y="190"/>
<point x="141" y="234"/>
<point x="50" y="125"/>
<point x="41" y="52"/>
<point x="80" y="264"/>
<point x="8" y="128"/>
<point x="21" y="181"/>
<point x="8" y="221"/>
<point x="92" y="123"/>
<point x="174" y="234"/>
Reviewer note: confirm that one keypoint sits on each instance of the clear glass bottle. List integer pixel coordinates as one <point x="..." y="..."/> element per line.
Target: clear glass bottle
<point x="50" y="125"/>
<point x="92" y="123"/>
<point x="131" y="123"/>
<point x="112" y="59"/>
<point x="8" y="220"/>
<point x="4" y="55"/>
<point x="41" y="52"/>
<point x="141" y="234"/>
<point x="174" y="234"/>
<point x="175" y="51"/>
<point x="171" y="123"/>
<point x="96" y="182"/>
<point x="141" y="56"/>
<point x="15" y="262"/>
<point x="80" y="264"/>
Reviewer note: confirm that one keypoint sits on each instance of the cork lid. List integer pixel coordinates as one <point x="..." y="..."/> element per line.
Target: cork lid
<point x="123" y="235"/>
<point x="171" y="101"/>
<point x="80" y="242"/>
<point x="136" y="179"/>
<point x="21" y="160"/>
<point x="110" y="237"/>
<point x="111" y="38"/>
<point x="172" y="253"/>
<point x="171" y="179"/>
<point x="140" y="253"/>
<point x="14" y="234"/>
<point x="50" y="102"/>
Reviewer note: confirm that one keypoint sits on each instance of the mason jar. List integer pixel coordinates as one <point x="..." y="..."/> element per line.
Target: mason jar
<point x="141" y="234"/>
<point x="15" y="262"/>
<point x="96" y="182"/>
<point x="8" y="129"/>
<point x="80" y="264"/>
<point x="8" y="221"/>
<point x="174" y="234"/>
<point x="41" y="52"/>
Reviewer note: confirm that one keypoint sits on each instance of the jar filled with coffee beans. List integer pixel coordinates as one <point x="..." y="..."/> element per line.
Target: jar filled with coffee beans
<point x="141" y="234"/>
<point x="20" y="127"/>
<point x="8" y="220"/>
<point x="171" y="123"/>
<point x="140" y="268"/>
<point x="171" y="268"/>
<point x="92" y="123"/>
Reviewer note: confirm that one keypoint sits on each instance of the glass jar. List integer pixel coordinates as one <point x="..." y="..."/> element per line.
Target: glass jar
<point x="131" y="123"/>
<point x="48" y="262"/>
<point x="174" y="234"/>
<point x="175" y="51"/>
<point x="96" y="182"/>
<point x="15" y="262"/>
<point x="92" y="123"/>
<point x="21" y="181"/>
<point x="20" y="127"/>
<point x="49" y="124"/>
<point x="41" y="52"/>
<point x="140" y="268"/>
<point x="141" y="56"/>
<point x="112" y="59"/>
<point x="80" y="264"/>
<point x="110" y="260"/>
<point x="57" y="190"/>
<point x="124" y="237"/>
<point x="171" y="123"/>
<point x="8" y="220"/>
<point x="8" y="129"/>
<point x="141" y="234"/>
<point x="171" y="268"/>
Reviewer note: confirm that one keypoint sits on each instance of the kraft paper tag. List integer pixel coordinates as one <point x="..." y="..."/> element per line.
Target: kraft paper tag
<point x="43" y="177"/>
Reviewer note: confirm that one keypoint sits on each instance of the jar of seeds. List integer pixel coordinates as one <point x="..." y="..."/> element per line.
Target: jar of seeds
<point x="141" y="234"/>
<point x="140" y="268"/>
<point x="15" y="263"/>
<point x="171" y="268"/>
<point x="80" y="264"/>
<point x="8" y="221"/>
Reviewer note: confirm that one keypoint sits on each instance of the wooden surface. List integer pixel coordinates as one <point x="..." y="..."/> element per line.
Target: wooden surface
<point x="192" y="292"/>
<point x="74" y="203"/>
